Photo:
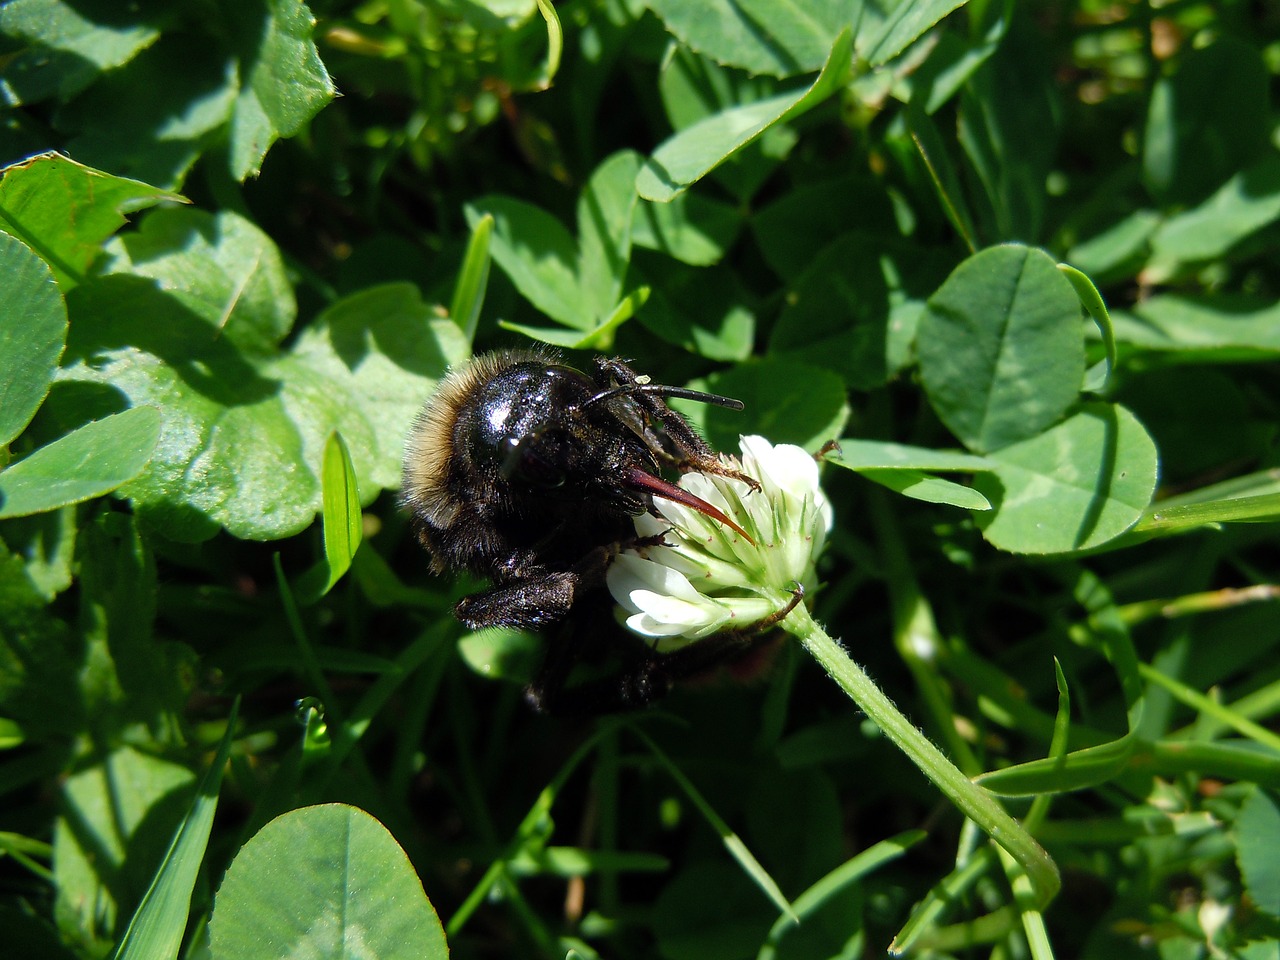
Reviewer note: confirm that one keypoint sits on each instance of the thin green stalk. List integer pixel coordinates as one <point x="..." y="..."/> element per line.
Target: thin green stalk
<point x="1207" y="705"/>
<point x="1032" y="919"/>
<point x="915" y="632"/>
<point x="973" y="801"/>
<point x="921" y="930"/>
<point x="528" y="831"/>
<point x="1261" y="703"/>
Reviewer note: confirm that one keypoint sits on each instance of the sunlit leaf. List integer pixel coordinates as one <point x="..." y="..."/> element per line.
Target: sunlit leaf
<point x="283" y="84"/>
<point x="89" y="462"/>
<point x="921" y="486"/>
<point x="1001" y="347"/>
<point x="575" y="281"/>
<point x="688" y="156"/>
<point x="907" y="470"/>
<point x="33" y="330"/>
<point x="245" y="427"/>
<point x="760" y="36"/>
<point x="67" y="45"/>
<point x="340" y="510"/>
<point x="1075" y="486"/>
<point x="64" y="210"/>
<point x="325" y="881"/>
<point x="692" y="228"/>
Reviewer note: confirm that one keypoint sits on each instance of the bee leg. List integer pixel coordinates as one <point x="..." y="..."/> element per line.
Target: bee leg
<point x="644" y="679"/>
<point x="688" y="446"/>
<point x="637" y="685"/>
<point x="531" y="603"/>
<point x="677" y="443"/>
<point x="548" y="692"/>
<point x="532" y="598"/>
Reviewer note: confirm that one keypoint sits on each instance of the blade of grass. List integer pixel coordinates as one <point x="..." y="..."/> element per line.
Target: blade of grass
<point x="1023" y="891"/>
<point x="376" y="697"/>
<point x="1165" y="519"/>
<point x="1099" y="765"/>
<point x="849" y="872"/>
<point x="155" y="931"/>
<point x="1024" y="898"/>
<point x="473" y="279"/>
<point x="924" y="920"/>
<point x="1225" y="715"/>
<point x="342" y="520"/>
<point x="732" y="842"/>
<point x="555" y="44"/>
<point x="946" y="182"/>
<point x="530" y="827"/>
<point x="307" y="653"/>
<point x="1259" y="703"/>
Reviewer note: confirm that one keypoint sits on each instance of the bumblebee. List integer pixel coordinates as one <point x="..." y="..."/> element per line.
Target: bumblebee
<point x="528" y="472"/>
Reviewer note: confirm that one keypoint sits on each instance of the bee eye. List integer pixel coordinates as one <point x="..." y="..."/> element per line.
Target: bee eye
<point x="525" y="463"/>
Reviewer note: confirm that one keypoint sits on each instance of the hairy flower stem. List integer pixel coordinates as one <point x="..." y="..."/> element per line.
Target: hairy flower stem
<point x="974" y="801"/>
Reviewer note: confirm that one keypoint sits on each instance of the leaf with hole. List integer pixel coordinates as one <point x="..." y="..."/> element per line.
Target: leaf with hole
<point x="64" y="210"/>
<point x="246" y="421"/>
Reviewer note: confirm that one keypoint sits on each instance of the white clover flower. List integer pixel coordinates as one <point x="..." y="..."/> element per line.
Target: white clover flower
<point x="707" y="577"/>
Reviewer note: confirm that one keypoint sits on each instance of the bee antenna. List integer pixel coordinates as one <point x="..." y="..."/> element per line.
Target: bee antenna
<point x="663" y="390"/>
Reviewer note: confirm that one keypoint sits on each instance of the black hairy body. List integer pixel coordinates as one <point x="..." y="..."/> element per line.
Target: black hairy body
<point x="529" y="472"/>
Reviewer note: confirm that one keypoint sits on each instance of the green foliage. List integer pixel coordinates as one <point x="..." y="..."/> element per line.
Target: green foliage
<point x="240" y="411"/>
<point x="146" y="92"/>
<point x="1257" y="835"/>
<point x="1018" y="259"/>
<point x="158" y="926"/>
<point x="323" y="880"/>
<point x="32" y="338"/>
<point x="91" y="461"/>
<point x="577" y="282"/>
<point x="693" y="152"/>
<point x="1001" y="356"/>
<point x="1079" y="484"/>
<point x="65" y="210"/>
